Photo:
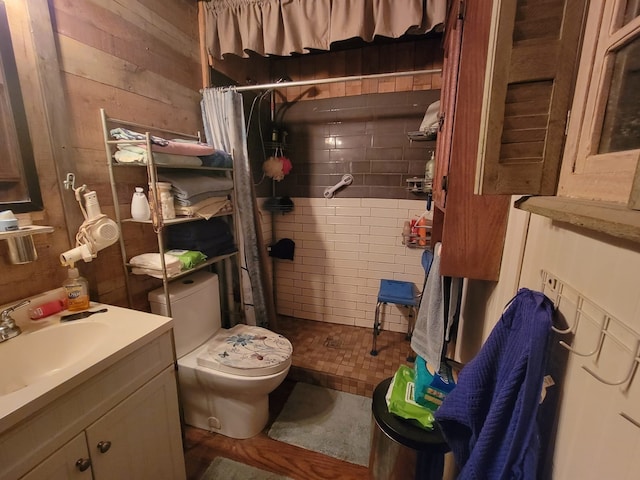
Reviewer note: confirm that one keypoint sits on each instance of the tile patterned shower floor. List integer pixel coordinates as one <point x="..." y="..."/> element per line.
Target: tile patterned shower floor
<point x="337" y="356"/>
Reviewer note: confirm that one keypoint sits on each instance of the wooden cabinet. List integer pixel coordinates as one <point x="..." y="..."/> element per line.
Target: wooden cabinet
<point x="121" y="423"/>
<point x="69" y="462"/>
<point x="471" y="227"/>
<point x="139" y="438"/>
<point x="533" y="52"/>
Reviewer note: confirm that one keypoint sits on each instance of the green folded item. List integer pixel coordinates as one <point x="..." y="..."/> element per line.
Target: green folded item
<point x="188" y="258"/>
<point x="400" y="398"/>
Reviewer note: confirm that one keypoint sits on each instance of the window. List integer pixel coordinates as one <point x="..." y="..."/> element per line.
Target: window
<point x="603" y="139"/>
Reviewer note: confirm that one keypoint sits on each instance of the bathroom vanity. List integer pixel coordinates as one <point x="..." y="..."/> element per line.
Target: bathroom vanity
<point x="93" y="398"/>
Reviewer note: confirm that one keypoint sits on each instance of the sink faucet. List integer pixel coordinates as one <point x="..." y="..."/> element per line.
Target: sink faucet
<point x="8" y="327"/>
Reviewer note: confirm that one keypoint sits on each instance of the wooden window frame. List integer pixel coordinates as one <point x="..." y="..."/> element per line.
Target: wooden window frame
<point x="585" y="173"/>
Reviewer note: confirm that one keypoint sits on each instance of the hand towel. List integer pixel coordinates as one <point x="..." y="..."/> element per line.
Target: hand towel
<point x="427" y="339"/>
<point x="186" y="185"/>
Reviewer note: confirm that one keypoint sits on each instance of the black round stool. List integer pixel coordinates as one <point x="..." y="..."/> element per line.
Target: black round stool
<point x="400" y="449"/>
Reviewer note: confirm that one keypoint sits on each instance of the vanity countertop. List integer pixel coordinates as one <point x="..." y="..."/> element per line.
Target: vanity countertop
<point x="51" y="357"/>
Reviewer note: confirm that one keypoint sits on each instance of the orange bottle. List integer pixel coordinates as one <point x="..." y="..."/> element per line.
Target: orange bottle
<point x="422" y="232"/>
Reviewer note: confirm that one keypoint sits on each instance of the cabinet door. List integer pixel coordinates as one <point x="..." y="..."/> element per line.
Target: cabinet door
<point x="532" y="58"/>
<point x="474" y="225"/>
<point x="141" y="437"/>
<point x="71" y="462"/>
<point x="452" y="40"/>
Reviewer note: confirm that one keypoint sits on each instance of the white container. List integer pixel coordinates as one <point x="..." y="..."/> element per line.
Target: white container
<point x="140" y="206"/>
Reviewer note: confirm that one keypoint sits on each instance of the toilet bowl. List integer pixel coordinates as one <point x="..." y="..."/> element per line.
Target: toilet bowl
<point x="224" y="375"/>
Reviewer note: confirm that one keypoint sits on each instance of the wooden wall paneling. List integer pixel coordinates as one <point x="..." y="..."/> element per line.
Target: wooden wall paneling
<point x="80" y="60"/>
<point x="116" y="37"/>
<point x="31" y="29"/>
<point x="134" y="13"/>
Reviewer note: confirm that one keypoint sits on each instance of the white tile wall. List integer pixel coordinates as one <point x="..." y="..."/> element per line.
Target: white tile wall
<point x="343" y="248"/>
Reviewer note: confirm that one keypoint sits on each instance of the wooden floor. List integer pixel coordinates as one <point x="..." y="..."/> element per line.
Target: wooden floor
<point x="334" y="356"/>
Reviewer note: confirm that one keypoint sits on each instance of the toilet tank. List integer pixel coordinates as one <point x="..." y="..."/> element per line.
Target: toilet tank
<point x="195" y="309"/>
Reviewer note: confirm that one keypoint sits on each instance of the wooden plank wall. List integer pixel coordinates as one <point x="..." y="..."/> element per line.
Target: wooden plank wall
<point x="138" y="59"/>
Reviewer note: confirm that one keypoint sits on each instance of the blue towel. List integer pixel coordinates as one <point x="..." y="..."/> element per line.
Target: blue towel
<point x="489" y="419"/>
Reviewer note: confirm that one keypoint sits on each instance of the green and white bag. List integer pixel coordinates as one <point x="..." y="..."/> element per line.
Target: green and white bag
<point x="400" y="398"/>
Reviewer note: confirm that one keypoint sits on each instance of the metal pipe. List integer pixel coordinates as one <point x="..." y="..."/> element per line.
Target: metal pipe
<point x="319" y="81"/>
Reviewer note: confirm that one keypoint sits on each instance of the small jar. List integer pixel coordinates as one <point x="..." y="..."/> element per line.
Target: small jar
<point x="165" y="198"/>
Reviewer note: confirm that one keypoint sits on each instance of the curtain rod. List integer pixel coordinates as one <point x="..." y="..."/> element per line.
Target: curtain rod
<point x="302" y="83"/>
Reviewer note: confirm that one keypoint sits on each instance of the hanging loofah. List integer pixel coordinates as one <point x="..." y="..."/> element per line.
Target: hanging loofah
<point x="276" y="167"/>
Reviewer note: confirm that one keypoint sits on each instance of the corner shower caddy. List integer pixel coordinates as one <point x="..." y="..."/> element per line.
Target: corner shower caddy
<point x="156" y="221"/>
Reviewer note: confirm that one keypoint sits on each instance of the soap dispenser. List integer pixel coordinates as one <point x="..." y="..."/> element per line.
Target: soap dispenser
<point x="76" y="289"/>
<point x="140" y="205"/>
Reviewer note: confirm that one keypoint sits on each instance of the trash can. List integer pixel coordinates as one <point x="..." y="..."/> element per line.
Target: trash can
<point x="401" y="450"/>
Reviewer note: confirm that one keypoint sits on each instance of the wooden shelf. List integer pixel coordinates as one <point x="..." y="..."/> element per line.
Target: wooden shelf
<point x="200" y="266"/>
<point x="611" y="218"/>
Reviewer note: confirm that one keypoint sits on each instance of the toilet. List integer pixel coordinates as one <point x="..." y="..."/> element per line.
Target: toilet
<point x="224" y="375"/>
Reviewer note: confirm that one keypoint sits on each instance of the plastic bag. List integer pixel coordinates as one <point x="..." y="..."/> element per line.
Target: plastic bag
<point x="400" y="398"/>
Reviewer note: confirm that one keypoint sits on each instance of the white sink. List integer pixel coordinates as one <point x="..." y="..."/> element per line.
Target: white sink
<point x="31" y="356"/>
<point x="50" y="357"/>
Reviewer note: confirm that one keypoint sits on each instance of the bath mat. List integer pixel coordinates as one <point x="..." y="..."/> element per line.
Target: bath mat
<point x="223" y="468"/>
<point x="335" y="423"/>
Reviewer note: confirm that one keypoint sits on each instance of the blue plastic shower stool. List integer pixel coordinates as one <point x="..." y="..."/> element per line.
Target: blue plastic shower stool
<point x="398" y="293"/>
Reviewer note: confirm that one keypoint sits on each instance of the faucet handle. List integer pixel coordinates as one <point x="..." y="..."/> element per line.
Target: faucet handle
<point x="6" y="313"/>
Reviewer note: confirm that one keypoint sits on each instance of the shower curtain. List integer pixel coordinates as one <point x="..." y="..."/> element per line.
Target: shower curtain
<point x="224" y="125"/>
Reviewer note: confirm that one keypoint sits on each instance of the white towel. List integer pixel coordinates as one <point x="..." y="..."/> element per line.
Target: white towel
<point x="150" y="264"/>
<point x="427" y="339"/>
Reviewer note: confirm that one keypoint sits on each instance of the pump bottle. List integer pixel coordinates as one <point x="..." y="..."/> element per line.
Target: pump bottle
<point x="77" y="291"/>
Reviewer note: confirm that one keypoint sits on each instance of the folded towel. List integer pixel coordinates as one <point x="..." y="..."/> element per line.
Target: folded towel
<point x="153" y="261"/>
<point x="155" y="273"/>
<point x="206" y="208"/>
<point x="126" y="134"/>
<point x="188" y="184"/>
<point x="135" y="154"/>
<point x="179" y="147"/>
<point x="202" y="197"/>
<point x="219" y="158"/>
<point x="212" y="237"/>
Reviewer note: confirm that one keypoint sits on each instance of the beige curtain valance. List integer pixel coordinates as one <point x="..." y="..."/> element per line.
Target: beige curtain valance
<point x="283" y="27"/>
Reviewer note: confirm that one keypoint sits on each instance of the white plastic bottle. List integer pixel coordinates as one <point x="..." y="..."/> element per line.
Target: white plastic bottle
<point x="140" y="205"/>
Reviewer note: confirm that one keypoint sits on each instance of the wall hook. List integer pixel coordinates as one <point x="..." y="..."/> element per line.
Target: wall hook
<point x="632" y="370"/>
<point x="70" y="182"/>
<point x="603" y="329"/>
<point x="576" y="317"/>
<point x="558" y="289"/>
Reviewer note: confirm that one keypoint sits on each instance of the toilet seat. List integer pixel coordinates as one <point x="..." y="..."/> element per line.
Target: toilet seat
<point x="246" y="351"/>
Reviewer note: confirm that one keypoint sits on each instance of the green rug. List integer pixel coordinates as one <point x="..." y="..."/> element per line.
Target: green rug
<point x="224" y="469"/>
<point x="335" y="423"/>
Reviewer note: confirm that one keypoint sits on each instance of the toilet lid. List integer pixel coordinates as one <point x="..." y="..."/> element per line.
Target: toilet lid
<point x="246" y="350"/>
